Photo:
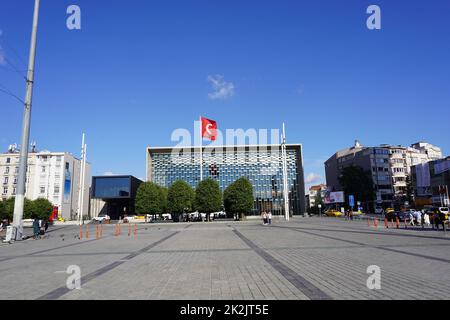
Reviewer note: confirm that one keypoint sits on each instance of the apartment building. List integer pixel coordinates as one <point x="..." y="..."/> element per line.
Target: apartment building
<point x="389" y="166"/>
<point x="54" y="176"/>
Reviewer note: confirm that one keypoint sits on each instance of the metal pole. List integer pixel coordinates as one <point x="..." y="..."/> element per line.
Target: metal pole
<point x="285" y="179"/>
<point x="83" y="184"/>
<point x="201" y="150"/>
<point x="81" y="181"/>
<point x="21" y="181"/>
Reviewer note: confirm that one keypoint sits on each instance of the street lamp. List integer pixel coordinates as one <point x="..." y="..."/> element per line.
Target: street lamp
<point x="320" y="210"/>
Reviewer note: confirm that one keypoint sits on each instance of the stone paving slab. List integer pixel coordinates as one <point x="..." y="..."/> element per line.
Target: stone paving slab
<point x="305" y="258"/>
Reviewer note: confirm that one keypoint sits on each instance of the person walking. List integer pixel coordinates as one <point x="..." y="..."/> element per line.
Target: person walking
<point x="36" y="228"/>
<point x="264" y="217"/>
<point x="269" y="216"/>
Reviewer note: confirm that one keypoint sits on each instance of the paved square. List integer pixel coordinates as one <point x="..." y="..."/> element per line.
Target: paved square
<point x="306" y="258"/>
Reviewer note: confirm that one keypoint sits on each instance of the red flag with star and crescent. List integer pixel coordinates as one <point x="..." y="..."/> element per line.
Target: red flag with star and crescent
<point x="209" y="129"/>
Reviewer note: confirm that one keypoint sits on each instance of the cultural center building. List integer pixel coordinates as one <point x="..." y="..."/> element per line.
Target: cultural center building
<point x="261" y="164"/>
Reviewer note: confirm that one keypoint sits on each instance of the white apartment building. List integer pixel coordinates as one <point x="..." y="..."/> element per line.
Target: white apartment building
<point x="51" y="175"/>
<point x="314" y="191"/>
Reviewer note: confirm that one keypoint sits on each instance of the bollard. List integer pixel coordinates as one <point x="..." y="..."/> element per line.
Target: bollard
<point x="101" y="230"/>
<point x="129" y="230"/>
<point x="96" y="232"/>
<point x="368" y="222"/>
<point x="392" y="223"/>
<point x="386" y="224"/>
<point x="135" y="231"/>
<point x="375" y="222"/>
<point x="81" y="232"/>
<point x="397" y="223"/>
<point x="406" y="225"/>
<point x="87" y="232"/>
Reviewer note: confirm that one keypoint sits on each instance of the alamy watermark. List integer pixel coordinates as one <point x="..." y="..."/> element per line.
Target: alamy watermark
<point x="374" y="280"/>
<point x="73" y="22"/>
<point x="374" y="20"/>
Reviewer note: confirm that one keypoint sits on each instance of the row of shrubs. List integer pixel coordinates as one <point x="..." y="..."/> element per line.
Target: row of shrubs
<point x="33" y="209"/>
<point x="180" y="197"/>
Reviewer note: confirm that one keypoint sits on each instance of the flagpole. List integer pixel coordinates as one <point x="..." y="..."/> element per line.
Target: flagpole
<point x="285" y="179"/>
<point x="201" y="150"/>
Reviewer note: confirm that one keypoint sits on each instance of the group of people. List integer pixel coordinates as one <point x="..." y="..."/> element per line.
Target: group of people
<point x="266" y="217"/>
<point x="39" y="228"/>
<point x="415" y="218"/>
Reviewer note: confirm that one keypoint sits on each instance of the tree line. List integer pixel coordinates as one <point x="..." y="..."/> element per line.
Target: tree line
<point x="33" y="209"/>
<point x="180" y="197"/>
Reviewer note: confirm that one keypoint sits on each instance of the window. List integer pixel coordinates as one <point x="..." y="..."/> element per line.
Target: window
<point x="56" y="190"/>
<point x="6" y="180"/>
<point x="5" y="190"/>
<point x="6" y="170"/>
<point x="8" y="160"/>
<point x="42" y="190"/>
<point x="43" y="169"/>
<point x="15" y="180"/>
<point x="14" y="191"/>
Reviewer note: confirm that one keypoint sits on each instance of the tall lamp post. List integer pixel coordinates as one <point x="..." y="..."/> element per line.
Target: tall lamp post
<point x="320" y="210"/>
<point x="21" y="181"/>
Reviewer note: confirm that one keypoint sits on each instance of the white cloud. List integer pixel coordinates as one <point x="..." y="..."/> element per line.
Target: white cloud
<point x="313" y="178"/>
<point x="222" y="89"/>
<point x="109" y="173"/>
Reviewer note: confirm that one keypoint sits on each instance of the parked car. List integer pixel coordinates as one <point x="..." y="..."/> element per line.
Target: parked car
<point x="333" y="213"/>
<point x="102" y="217"/>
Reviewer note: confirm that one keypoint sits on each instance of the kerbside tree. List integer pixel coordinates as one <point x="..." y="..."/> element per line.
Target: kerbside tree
<point x="41" y="208"/>
<point x="181" y="197"/>
<point x="149" y="199"/>
<point x="208" y="197"/>
<point x="238" y="197"/>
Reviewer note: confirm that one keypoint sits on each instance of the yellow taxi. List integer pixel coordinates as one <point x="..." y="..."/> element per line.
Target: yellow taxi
<point x="333" y="213"/>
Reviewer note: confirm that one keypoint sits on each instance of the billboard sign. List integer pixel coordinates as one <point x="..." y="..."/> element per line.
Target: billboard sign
<point x="334" y="197"/>
<point x="351" y="200"/>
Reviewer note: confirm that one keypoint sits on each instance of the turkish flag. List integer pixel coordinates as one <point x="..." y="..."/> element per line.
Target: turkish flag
<point x="209" y="129"/>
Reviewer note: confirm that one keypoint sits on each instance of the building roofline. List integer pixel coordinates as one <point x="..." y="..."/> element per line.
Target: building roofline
<point x="225" y="146"/>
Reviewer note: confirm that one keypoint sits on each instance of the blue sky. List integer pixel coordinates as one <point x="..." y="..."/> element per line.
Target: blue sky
<point x="137" y="70"/>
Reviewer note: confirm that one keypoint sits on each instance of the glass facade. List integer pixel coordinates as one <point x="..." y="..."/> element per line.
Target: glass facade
<point x="262" y="165"/>
<point x="111" y="187"/>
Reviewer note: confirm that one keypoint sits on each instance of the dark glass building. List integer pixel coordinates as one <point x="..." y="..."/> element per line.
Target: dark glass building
<point x="118" y="193"/>
<point x="261" y="164"/>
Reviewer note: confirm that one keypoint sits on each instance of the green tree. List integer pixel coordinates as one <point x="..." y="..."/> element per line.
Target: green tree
<point x="41" y="208"/>
<point x="238" y="197"/>
<point x="2" y="210"/>
<point x="28" y="208"/>
<point x="181" y="196"/>
<point x="409" y="191"/>
<point x="355" y="181"/>
<point x="8" y="205"/>
<point x="9" y="208"/>
<point x="149" y="199"/>
<point x="164" y="194"/>
<point x="208" y="197"/>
